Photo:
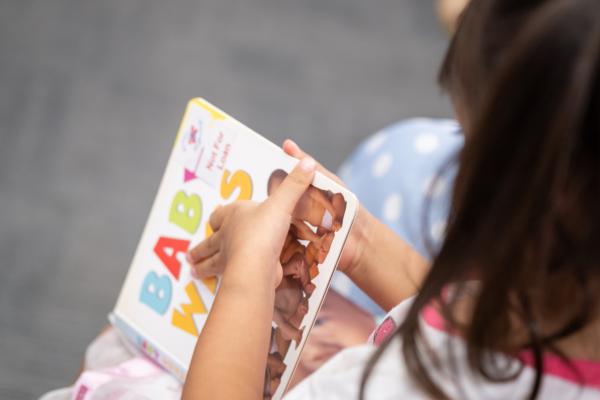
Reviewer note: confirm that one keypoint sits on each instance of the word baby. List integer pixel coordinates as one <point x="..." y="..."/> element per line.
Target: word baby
<point x="186" y="214"/>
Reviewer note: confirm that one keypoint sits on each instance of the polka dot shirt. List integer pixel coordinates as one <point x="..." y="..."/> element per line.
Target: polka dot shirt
<point x="404" y="176"/>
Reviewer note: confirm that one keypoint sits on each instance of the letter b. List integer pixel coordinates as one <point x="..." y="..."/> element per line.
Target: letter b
<point x="156" y="292"/>
<point x="186" y="211"/>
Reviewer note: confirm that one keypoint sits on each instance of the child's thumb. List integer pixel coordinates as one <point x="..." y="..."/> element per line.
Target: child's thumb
<point x="294" y="185"/>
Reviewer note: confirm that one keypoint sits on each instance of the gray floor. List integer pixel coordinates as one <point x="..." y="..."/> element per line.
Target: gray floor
<point x="91" y="95"/>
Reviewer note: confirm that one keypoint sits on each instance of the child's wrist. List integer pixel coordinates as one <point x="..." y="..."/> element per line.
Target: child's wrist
<point x="242" y="273"/>
<point x="363" y="231"/>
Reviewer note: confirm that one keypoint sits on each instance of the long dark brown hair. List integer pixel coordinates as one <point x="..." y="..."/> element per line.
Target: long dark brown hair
<point x="525" y="214"/>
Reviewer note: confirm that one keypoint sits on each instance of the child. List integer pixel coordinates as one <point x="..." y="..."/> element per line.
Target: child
<point x="509" y="306"/>
<point x="296" y="261"/>
<point x="448" y="12"/>
<point x="289" y="301"/>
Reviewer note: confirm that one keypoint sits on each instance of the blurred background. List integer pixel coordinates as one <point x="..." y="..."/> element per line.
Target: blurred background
<point x="91" y="96"/>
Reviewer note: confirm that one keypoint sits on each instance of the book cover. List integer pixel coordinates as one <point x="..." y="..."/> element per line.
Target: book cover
<point x="217" y="160"/>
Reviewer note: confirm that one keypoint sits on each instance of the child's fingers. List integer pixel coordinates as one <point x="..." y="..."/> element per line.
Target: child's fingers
<point x="204" y="249"/>
<point x="208" y="267"/>
<point x="293" y="186"/>
<point x="291" y="148"/>
<point x="218" y="216"/>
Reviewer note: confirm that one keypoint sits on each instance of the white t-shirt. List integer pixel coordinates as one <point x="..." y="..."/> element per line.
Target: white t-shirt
<point x="112" y="372"/>
<point x="340" y="377"/>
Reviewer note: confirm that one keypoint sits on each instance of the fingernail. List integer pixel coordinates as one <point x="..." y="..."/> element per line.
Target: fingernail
<point x="193" y="273"/>
<point x="307" y="164"/>
<point x="188" y="258"/>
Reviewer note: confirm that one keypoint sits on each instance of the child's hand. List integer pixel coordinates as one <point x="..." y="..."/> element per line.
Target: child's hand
<point x="355" y="244"/>
<point x="248" y="236"/>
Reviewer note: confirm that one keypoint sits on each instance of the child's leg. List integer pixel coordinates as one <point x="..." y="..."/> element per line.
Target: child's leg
<point x="290" y="248"/>
<point x="275" y="364"/>
<point x="287" y="330"/>
<point x="302" y="310"/>
<point x="303" y="231"/>
<point x="328" y="216"/>
<point x="282" y="344"/>
<point x="297" y="268"/>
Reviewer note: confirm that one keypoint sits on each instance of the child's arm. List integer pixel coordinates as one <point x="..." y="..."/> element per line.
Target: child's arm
<point x="230" y="357"/>
<point x="231" y="353"/>
<point x="385" y="267"/>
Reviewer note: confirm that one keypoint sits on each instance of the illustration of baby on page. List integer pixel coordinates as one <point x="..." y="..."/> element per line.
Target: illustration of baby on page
<point x="316" y="219"/>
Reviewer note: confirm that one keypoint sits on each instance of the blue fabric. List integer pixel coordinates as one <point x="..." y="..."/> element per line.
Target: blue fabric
<point x="397" y="172"/>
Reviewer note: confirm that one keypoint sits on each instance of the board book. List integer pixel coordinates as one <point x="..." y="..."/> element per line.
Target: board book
<point x="216" y="160"/>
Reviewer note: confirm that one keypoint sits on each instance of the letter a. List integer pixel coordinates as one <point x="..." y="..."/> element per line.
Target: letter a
<point x="169" y="259"/>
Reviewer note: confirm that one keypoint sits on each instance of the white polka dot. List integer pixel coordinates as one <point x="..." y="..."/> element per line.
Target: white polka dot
<point x="382" y="165"/>
<point x="426" y="143"/>
<point x="375" y="142"/>
<point x="438" y="230"/>
<point x="434" y="186"/>
<point x="392" y="207"/>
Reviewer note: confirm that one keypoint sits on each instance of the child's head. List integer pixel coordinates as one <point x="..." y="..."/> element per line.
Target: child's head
<point x="525" y="215"/>
<point x="475" y="49"/>
<point x="485" y="42"/>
